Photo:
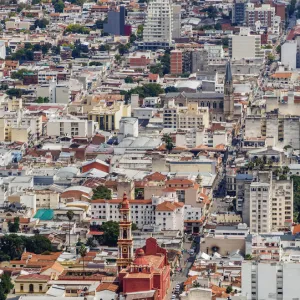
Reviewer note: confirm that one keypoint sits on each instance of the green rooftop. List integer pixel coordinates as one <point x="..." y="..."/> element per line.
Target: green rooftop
<point x="44" y="214"/>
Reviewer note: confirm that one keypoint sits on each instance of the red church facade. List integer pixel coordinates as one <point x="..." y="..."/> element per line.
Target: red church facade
<point x="148" y="273"/>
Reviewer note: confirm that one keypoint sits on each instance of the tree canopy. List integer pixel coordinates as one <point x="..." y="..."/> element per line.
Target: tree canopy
<point x="110" y="233"/>
<point x="15" y="225"/>
<point x="77" y="28"/>
<point x="12" y="246"/>
<point x="18" y="74"/>
<point x="101" y="192"/>
<point x="5" y="286"/>
<point x="296" y="187"/>
<point x="147" y="90"/>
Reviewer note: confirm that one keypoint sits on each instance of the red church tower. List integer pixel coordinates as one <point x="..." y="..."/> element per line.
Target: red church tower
<point x="125" y="243"/>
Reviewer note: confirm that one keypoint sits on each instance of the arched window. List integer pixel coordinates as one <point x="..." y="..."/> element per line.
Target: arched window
<point x="31" y="289"/>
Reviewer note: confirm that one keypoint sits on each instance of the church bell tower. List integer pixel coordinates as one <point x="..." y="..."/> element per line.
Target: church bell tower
<point x="125" y="242"/>
<point x="228" y="93"/>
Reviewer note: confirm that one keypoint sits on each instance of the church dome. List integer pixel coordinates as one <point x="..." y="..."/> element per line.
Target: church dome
<point x="140" y="259"/>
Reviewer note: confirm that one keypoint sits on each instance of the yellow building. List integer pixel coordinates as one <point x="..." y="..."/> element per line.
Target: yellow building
<point x="31" y="284"/>
<point x="19" y="134"/>
<point x="108" y="117"/>
<point x="16" y="128"/>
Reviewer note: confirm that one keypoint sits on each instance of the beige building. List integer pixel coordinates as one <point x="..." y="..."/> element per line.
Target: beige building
<point x="271" y="205"/>
<point x="245" y="45"/>
<point x="17" y="128"/>
<point x="192" y="116"/>
<point x="47" y="199"/>
<point x="108" y="117"/>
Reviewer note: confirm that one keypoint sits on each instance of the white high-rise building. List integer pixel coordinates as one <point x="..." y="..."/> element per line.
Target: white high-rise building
<point x="270" y="280"/>
<point x="159" y="25"/>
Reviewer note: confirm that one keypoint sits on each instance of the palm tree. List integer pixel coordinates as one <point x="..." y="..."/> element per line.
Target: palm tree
<point x="82" y="252"/>
<point x="70" y="216"/>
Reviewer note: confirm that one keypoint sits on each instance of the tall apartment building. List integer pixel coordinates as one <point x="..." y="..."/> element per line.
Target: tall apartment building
<point x="245" y="45"/>
<point x="159" y="25"/>
<point x="116" y="22"/>
<point x="267" y="204"/>
<point x="264" y="14"/>
<point x="176" y="62"/>
<point x="176" y="33"/>
<point x="239" y="11"/>
<point x="270" y="280"/>
<point x="289" y="54"/>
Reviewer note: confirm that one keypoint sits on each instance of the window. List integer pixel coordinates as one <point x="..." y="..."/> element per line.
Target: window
<point x="21" y="287"/>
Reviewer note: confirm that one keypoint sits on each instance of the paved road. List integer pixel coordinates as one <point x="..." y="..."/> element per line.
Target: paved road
<point x="185" y="263"/>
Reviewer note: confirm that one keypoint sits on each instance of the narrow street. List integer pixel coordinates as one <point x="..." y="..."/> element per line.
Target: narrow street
<point x="186" y="263"/>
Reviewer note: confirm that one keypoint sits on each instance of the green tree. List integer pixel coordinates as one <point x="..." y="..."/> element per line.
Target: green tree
<point x="5" y="283"/>
<point x="45" y="48"/>
<point x="41" y="23"/>
<point x="128" y="79"/>
<point x="118" y="58"/>
<point x="110" y="233"/>
<point x="59" y="6"/>
<point x="171" y="89"/>
<point x="123" y="49"/>
<point x="70" y="216"/>
<point x="248" y="257"/>
<point x="2" y="295"/>
<point x="103" y="47"/>
<point x="90" y="242"/>
<point x="157" y="69"/>
<point x="55" y="50"/>
<point x="147" y="90"/>
<point x="77" y="28"/>
<point x="101" y="192"/>
<point x="229" y="289"/>
<point x="168" y="142"/>
<point x="83" y="252"/>
<point x="42" y="100"/>
<point x="132" y="38"/>
<point x="14" y="93"/>
<point x="15" y="226"/>
<point x="196" y="284"/>
<point x="225" y="42"/>
<point x="218" y="26"/>
<point x="95" y="63"/>
<point x="139" y="32"/>
<point x="18" y="74"/>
